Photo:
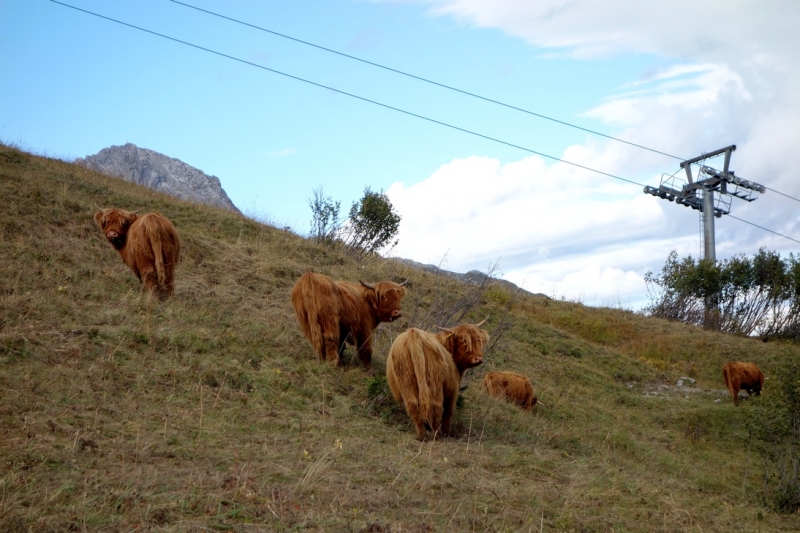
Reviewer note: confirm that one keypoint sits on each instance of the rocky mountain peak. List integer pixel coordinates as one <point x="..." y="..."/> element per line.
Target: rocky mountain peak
<point x="159" y="172"/>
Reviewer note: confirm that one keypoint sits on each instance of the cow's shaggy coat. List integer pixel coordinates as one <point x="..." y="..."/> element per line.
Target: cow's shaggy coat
<point x="510" y="386"/>
<point x="742" y="376"/>
<point x="332" y="313"/>
<point x="424" y="371"/>
<point x="148" y="244"/>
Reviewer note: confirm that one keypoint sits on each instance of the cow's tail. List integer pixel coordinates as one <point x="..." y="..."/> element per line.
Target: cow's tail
<point x="158" y="254"/>
<point x="423" y="351"/>
<point x="729" y="382"/>
<point x="419" y="362"/>
<point x="307" y="298"/>
<point x="726" y="375"/>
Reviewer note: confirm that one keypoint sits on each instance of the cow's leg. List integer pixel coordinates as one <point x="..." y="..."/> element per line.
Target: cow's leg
<point x="365" y="350"/>
<point x="422" y="431"/>
<point x="169" y="287"/>
<point x="344" y="336"/>
<point x="735" y="393"/>
<point x="330" y="340"/>
<point x="145" y="270"/>
<point x="436" y="411"/>
<point x="412" y="408"/>
<point x="150" y="280"/>
<point x="447" y="414"/>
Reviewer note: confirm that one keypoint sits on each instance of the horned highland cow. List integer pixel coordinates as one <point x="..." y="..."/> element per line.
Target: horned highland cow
<point x="332" y="313"/>
<point x="148" y="244"/>
<point x="510" y="386"/>
<point x="424" y="371"/>
<point x="739" y="375"/>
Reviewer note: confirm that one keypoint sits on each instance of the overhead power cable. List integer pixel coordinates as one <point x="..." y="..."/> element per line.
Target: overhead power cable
<point x="783" y="194"/>
<point x="363" y="99"/>
<point x="386" y="106"/>
<point x="765" y="229"/>
<point x="426" y="80"/>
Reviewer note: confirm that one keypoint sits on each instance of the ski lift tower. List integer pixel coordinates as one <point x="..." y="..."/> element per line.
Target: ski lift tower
<point x="699" y="193"/>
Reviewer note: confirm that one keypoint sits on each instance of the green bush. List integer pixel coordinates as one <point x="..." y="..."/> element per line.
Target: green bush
<point x="371" y="226"/>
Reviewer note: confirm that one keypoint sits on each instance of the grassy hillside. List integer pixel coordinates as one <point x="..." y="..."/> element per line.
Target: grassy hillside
<point x="210" y="412"/>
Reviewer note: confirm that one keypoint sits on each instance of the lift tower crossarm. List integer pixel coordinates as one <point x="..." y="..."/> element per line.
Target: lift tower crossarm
<point x="709" y="155"/>
<point x="687" y="165"/>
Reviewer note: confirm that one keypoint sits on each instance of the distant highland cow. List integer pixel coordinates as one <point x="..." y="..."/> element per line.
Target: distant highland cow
<point x="510" y="386"/>
<point x="332" y="313"/>
<point x="148" y="244"/>
<point x="739" y="375"/>
<point x="424" y="371"/>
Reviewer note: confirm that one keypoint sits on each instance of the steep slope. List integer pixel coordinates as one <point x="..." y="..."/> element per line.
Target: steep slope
<point x="160" y="173"/>
<point x="209" y="411"/>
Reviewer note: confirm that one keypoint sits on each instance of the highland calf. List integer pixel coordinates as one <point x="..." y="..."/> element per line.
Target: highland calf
<point x="739" y="375"/>
<point x="424" y="371"/>
<point x="332" y="313"/>
<point x="148" y="244"/>
<point x="510" y="386"/>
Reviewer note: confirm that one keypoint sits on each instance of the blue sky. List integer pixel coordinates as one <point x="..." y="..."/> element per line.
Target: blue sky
<point x="73" y="84"/>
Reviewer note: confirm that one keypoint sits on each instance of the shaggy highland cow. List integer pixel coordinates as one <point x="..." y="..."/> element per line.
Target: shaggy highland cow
<point x="148" y="244"/>
<point x="424" y="371"/>
<point x="332" y="313"/>
<point x="745" y="376"/>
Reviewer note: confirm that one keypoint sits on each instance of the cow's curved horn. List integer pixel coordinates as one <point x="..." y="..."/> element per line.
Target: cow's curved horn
<point x="404" y="283"/>
<point x="448" y="330"/>
<point x="482" y="322"/>
<point x="98" y="207"/>
<point x="132" y="212"/>
<point x="367" y="285"/>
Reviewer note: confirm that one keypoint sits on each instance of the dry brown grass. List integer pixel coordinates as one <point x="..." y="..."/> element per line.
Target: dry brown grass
<point x="210" y="412"/>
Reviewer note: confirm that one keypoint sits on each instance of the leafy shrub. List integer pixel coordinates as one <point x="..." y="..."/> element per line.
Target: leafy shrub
<point x="325" y="223"/>
<point x="371" y="226"/>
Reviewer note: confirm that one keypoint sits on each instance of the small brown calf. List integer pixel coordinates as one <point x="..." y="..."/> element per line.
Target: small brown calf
<point x="513" y="387"/>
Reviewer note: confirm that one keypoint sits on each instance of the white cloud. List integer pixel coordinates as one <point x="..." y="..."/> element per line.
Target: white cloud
<point x="611" y="275"/>
<point x="686" y="88"/>
<point x="479" y="210"/>
<point x="680" y="28"/>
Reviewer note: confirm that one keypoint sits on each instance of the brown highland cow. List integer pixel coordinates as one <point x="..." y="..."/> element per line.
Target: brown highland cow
<point x="148" y="244"/>
<point x="510" y="386"/>
<point x="424" y="371"/>
<point x="332" y="313"/>
<point x="739" y="375"/>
